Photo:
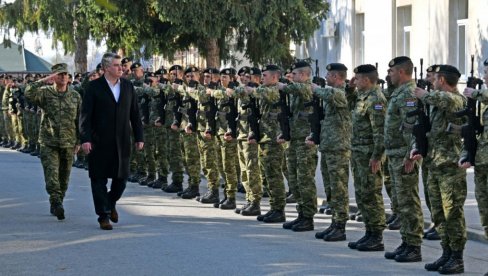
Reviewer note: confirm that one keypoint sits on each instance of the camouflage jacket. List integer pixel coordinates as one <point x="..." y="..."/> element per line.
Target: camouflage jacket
<point x="269" y="126"/>
<point x="397" y="141"/>
<point x="222" y="98"/>
<point x="59" y="121"/>
<point x="200" y="94"/>
<point x="242" y="124"/>
<point x="482" y="150"/>
<point x="368" y="118"/>
<point x="443" y="147"/>
<point x="300" y="93"/>
<point x="335" y="132"/>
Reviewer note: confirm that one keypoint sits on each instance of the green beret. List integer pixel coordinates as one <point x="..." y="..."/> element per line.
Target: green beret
<point x="270" y="67"/>
<point x="243" y="70"/>
<point x="126" y="60"/>
<point x="60" y="68"/>
<point x="432" y="68"/>
<point x="255" y="71"/>
<point x="398" y="60"/>
<point x="300" y="64"/>
<point x="228" y="71"/>
<point x="135" y="65"/>
<point x="336" y="67"/>
<point x="176" y="67"/>
<point x="448" y="69"/>
<point x="364" y="69"/>
<point x="191" y="69"/>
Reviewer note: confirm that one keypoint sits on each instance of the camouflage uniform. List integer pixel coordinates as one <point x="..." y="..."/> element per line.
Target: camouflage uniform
<point x="481" y="167"/>
<point x="175" y="154"/>
<point x="58" y="135"/>
<point x="335" y="142"/>
<point x="325" y="176"/>
<point x="368" y="144"/>
<point x="3" y="132"/>
<point x="390" y="191"/>
<point x="138" y="159"/>
<point x="301" y="158"/>
<point x="397" y="145"/>
<point x="6" y="115"/>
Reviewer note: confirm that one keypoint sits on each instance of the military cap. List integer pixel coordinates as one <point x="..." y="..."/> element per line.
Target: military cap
<point x="300" y="64"/>
<point x="126" y="60"/>
<point x="270" y="67"/>
<point x="243" y="70"/>
<point x="99" y="66"/>
<point x="336" y="67"/>
<point x="161" y="71"/>
<point x="364" y="69"/>
<point x="176" y="67"/>
<point x="150" y="74"/>
<point x="254" y="71"/>
<point x="398" y="60"/>
<point x="228" y="71"/>
<point x="448" y="69"/>
<point x="78" y="75"/>
<point x="135" y="65"/>
<point x="432" y="68"/>
<point x="191" y="69"/>
<point x="485" y="63"/>
<point x="59" y="68"/>
<point x="211" y="70"/>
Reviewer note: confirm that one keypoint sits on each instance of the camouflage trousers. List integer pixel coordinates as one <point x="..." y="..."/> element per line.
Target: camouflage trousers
<point x="249" y="165"/>
<point x="406" y="186"/>
<point x="389" y="187"/>
<point x="368" y="186"/>
<point x="175" y="156"/>
<point x="425" y="172"/>
<point x="208" y="154"/>
<point x="150" y="149"/>
<point x="447" y="192"/>
<point x="18" y="129"/>
<point x="228" y="150"/>
<point x="302" y="162"/>
<point x="284" y="163"/>
<point x="3" y="132"/>
<point x="325" y="176"/>
<point x="56" y="163"/>
<point x="161" y="150"/>
<point x="192" y="158"/>
<point x="271" y="159"/>
<point x="9" y="130"/>
<point x="338" y="168"/>
<point x="481" y="194"/>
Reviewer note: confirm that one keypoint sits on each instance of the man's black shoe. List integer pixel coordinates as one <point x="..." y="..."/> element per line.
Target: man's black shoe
<point x="59" y="212"/>
<point x="228" y="204"/>
<point x="252" y="210"/>
<point x="289" y="225"/>
<point x="174" y="187"/>
<point x="373" y="243"/>
<point x="337" y="234"/>
<point x="238" y="210"/>
<point x="306" y="224"/>
<point x="275" y="217"/>
<point x="192" y="192"/>
<point x="211" y="196"/>
<point x="353" y="245"/>
<point x="409" y="255"/>
<point x="454" y="265"/>
<point x="446" y="254"/>
<point x="399" y="250"/>
<point x="261" y="217"/>
<point x="321" y="235"/>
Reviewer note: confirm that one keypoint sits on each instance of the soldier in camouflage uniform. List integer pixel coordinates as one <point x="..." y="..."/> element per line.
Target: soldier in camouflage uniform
<point x="446" y="181"/>
<point x="59" y="132"/>
<point x="335" y="142"/>
<point x="3" y="132"/>
<point x="6" y="114"/>
<point x="367" y="154"/>
<point x="301" y="156"/>
<point x="403" y="170"/>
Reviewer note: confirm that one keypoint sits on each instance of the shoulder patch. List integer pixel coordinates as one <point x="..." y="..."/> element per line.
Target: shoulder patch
<point x="378" y="106"/>
<point x="410" y="102"/>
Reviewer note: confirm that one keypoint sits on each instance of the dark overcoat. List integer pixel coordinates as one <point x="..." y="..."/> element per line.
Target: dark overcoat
<point x="107" y="125"/>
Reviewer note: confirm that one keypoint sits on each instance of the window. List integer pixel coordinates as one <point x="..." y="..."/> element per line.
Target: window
<point x="462" y="47"/>
<point x="458" y="40"/>
<point x="359" y="39"/>
<point x="403" y="27"/>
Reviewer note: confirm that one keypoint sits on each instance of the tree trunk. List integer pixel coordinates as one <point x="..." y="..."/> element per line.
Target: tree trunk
<point x="213" y="53"/>
<point x="81" y="62"/>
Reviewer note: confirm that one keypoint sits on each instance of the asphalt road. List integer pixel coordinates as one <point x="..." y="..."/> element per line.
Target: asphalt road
<point x="161" y="234"/>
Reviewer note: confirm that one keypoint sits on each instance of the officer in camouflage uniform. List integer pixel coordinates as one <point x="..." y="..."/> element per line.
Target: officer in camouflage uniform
<point x="403" y="170"/>
<point x="481" y="168"/>
<point x="301" y="156"/>
<point x="446" y="181"/>
<point x="59" y="132"/>
<point x="335" y="142"/>
<point x="367" y="154"/>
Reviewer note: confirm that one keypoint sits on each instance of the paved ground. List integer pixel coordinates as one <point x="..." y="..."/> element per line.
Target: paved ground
<point x="160" y="234"/>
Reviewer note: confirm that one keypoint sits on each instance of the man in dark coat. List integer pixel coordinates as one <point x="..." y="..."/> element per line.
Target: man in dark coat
<point x="109" y="112"/>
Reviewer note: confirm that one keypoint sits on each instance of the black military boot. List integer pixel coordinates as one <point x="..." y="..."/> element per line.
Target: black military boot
<point x="321" y="235"/>
<point x="409" y="255"/>
<point x="211" y="196"/>
<point x="337" y="234"/>
<point x="228" y="204"/>
<point x="150" y="178"/>
<point x="252" y="210"/>
<point x="391" y="218"/>
<point x="353" y="245"/>
<point x="140" y="176"/>
<point x="454" y="265"/>
<point x="275" y="217"/>
<point x="399" y="250"/>
<point x="16" y="146"/>
<point x="395" y="224"/>
<point x="184" y="191"/>
<point x="261" y="217"/>
<point x="59" y="211"/>
<point x="161" y="183"/>
<point x="374" y="243"/>
<point x="238" y="210"/>
<point x="306" y="224"/>
<point x="289" y="225"/>
<point x="446" y="254"/>
<point x="192" y="192"/>
<point x="174" y="187"/>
